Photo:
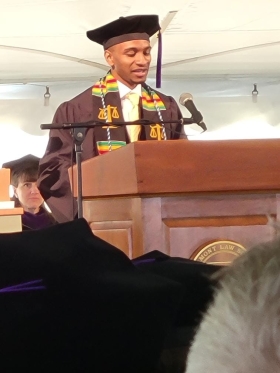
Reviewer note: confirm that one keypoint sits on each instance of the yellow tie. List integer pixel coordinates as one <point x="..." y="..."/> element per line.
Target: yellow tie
<point x="133" y="130"/>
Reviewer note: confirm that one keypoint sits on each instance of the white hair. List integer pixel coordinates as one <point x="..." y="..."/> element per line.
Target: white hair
<point x="240" y="332"/>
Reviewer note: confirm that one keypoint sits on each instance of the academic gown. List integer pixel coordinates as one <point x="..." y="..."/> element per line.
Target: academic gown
<point x="42" y="219"/>
<point x="53" y="170"/>
<point x="72" y="302"/>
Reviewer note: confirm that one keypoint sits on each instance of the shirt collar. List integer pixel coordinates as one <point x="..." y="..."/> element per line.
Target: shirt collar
<point x="124" y="90"/>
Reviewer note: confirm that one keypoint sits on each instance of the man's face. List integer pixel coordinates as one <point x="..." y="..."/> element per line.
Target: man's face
<point x="28" y="195"/>
<point x="130" y="61"/>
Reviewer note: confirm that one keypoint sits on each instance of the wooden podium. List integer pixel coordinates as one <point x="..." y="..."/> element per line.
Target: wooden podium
<point x="10" y="217"/>
<point x="176" y="196"/>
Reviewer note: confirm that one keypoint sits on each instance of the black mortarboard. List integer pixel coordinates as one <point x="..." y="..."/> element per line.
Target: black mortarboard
<point x="28" y="161"/>
<point x="125" y="29"/>
<point x="72" y="301"/>
<point x="139" y="27"/>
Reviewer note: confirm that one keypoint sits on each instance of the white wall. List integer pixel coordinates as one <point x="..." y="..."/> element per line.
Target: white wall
<point x="226" y="105"/>
<point x="22" y="110"/>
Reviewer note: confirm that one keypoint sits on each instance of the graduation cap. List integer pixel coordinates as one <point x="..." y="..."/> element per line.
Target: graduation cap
<point x="71" y="301"/>
<point x="28" y="161"/>
<point x="21" y="165"/>
<point x="139" y="27"/>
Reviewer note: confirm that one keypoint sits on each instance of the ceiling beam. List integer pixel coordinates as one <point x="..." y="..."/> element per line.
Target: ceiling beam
<point x="56" y="55"/>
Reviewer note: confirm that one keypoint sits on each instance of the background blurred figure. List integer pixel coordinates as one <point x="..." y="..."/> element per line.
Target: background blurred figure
<point x="240" y="332"/>
<point x="24" y="175"/>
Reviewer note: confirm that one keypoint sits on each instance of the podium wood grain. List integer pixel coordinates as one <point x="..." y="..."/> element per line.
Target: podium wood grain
<point x="174" y="196"/>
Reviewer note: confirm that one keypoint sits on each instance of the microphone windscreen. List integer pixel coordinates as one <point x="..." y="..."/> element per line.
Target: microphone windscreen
<point x="184" y="97"/>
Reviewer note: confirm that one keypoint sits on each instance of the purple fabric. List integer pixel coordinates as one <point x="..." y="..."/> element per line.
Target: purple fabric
<point x="36" y="221"/>
<point x="159" y="60"/>
<point x="24" y="286"/>
<point x="22" y="289"/>
<point x="142" y="261"/>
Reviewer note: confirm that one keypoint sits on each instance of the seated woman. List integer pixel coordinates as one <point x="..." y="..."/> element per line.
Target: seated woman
<point x="24" y="175"/>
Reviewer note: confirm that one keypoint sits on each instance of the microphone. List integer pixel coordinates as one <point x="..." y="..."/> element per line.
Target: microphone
<point x="186" y="99"/>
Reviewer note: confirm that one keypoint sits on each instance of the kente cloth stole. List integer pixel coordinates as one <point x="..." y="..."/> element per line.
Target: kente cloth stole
<point x="111" y="111"/>
<point x="109" y="84"/>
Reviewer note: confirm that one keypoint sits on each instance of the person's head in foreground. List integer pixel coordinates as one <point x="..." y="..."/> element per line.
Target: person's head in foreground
<point x="127" y="48"/>
<point x="240" y="332"/>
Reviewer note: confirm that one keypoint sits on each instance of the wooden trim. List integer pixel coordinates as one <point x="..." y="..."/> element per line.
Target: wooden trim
<point x="217" y="221"/>
<point x="160" y="167"/>
<point x="103" y="225"/>
<point x="13" y="211"/>
<point x="4" y="184"/>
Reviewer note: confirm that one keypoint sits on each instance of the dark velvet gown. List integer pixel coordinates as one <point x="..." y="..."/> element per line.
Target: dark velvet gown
<point x="53" y="170"/>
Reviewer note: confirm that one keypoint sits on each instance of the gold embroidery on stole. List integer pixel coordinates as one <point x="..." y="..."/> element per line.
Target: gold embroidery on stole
<point x="112" y="112"/>
<point x="156" y="132"/>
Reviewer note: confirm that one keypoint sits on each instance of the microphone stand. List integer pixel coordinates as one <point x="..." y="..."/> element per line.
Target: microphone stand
<point x="79" y="136"/>
<point x="79" y="132"/>
<point x="92" y="124"/>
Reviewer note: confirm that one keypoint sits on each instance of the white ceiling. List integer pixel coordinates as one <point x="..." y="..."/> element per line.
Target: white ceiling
<point x="215" y="49"/>
<point x="45" y="40"/>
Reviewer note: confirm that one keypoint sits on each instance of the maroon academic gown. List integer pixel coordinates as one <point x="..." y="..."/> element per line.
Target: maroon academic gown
<point x="53" y="180"/>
